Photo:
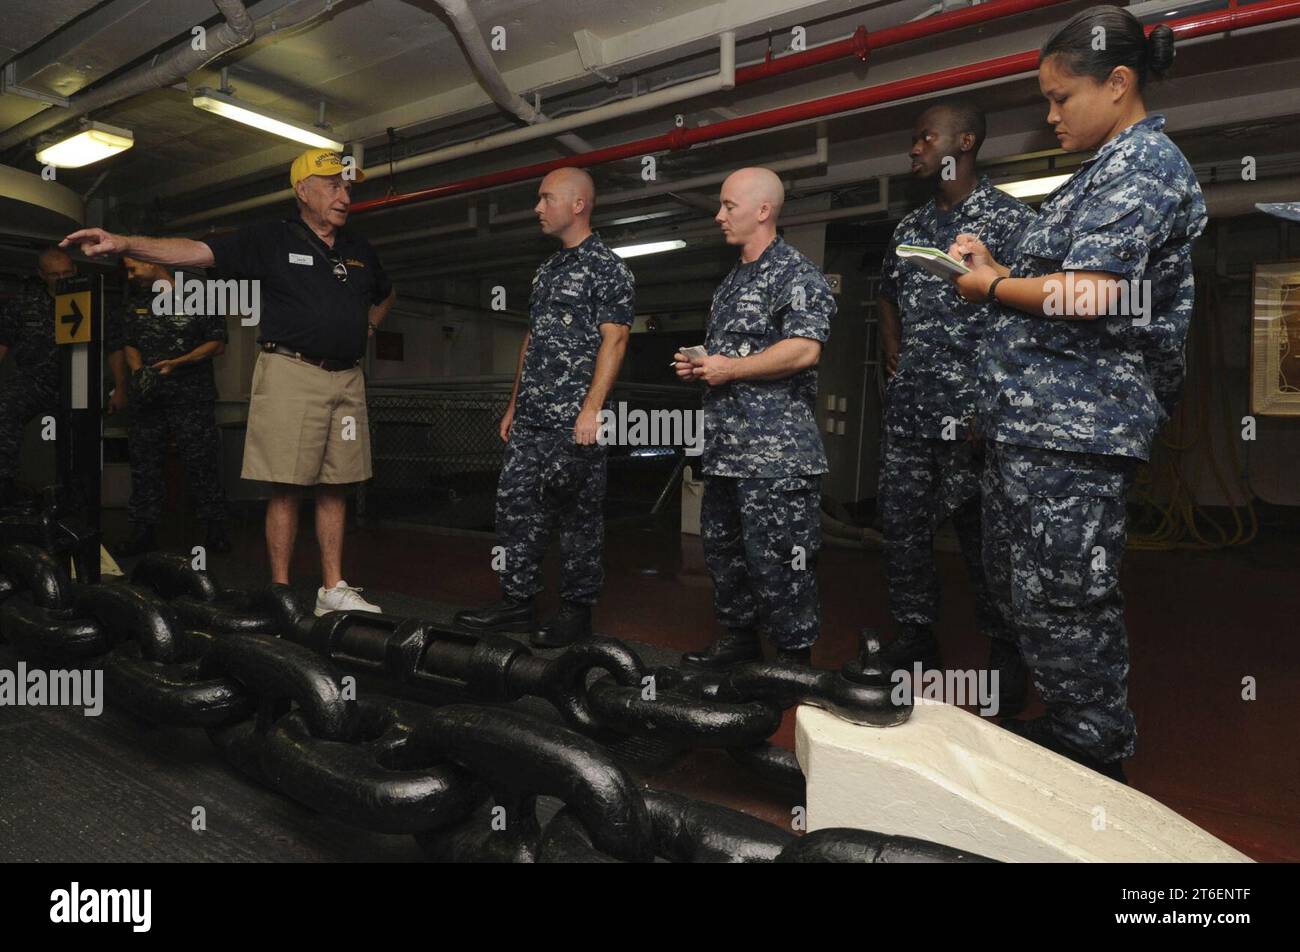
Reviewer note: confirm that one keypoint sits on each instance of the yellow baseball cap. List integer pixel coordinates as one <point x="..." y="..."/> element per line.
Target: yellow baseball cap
<point x="322" y="162"/>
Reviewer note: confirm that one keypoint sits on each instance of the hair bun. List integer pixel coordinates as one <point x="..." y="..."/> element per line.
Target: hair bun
<point x="1160" y="50"/>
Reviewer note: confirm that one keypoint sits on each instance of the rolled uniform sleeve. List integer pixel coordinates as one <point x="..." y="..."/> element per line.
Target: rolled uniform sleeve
<point x="615" y="298"/>
<point x="805" y="307"/>
<point x="1120" y="223"/>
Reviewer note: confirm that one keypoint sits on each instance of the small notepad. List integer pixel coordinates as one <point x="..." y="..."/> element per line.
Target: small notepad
<point x="933" y="260"/>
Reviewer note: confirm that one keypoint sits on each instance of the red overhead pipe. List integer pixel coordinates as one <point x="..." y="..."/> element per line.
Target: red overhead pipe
<point x="1203" y="24"/>
<point x="861" y="43"/>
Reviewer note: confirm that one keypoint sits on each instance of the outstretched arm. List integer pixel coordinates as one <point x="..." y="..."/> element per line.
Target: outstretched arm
<point x="173" y="252"/>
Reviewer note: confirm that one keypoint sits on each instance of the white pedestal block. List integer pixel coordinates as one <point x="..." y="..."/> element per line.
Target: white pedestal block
<point x="959" y="779"/>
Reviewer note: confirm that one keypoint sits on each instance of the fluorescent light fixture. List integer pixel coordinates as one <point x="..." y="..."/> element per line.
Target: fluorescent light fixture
<point x="96" y="141"/>
<point x="226" y="105"/>
<point x="1033" y="188"/>
<point x="650" y="248"/>
<point x="633" y="219"/>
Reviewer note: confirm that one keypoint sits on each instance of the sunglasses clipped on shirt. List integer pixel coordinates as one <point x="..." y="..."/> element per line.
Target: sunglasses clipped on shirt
<point x="340" y="269"/>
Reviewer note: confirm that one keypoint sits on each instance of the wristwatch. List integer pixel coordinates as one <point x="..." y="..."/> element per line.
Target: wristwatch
<point x="993" y="288"/>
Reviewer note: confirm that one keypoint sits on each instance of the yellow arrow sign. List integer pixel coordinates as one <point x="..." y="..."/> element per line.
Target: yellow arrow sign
<point x="72" y="318"/>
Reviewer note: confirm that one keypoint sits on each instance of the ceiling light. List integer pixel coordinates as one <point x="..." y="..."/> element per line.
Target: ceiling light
<point x="224" y="104"/>
<point x="95" y="141"/>
<point x="650" y="248"/>
<point x="1035" y="187"/>
<point x="633" y="219"/>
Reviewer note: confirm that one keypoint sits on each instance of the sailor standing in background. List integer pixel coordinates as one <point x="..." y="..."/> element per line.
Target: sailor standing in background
<point x="27" y="330"/>
<point x="170" y="359"/>
<point x="930" y="465"/>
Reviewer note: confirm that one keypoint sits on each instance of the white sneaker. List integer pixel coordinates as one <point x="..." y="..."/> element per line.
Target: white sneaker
<point x="342" y="598"/>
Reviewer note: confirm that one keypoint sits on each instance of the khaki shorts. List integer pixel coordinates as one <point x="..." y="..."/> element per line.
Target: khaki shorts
<point x="299" y="429"/>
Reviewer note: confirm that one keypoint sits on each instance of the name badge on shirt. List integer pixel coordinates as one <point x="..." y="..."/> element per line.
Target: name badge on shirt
<point x="299" y="259"/>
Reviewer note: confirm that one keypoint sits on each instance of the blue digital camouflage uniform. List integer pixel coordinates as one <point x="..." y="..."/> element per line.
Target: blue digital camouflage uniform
<point x="182" y="404"/>
<point x="547" y="479"/>
<point x="31" y="387"/>
<point x="1071" y="407"/>
<point x="763" y="456"/>
<point x="929" y="470"/>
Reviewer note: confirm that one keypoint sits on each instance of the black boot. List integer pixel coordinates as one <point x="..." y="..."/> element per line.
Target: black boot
<point x="1039" y="730"/>
<point x="141" y="541"/>
<point x="1013" y="677"/>
<point x="801" y="656"/>
<point x="509" y="614"/>
<point x="914" y="643"/>
<point x="572" y="623"/>
<point x="217" y="540"/>
<point x="737" y="646"/>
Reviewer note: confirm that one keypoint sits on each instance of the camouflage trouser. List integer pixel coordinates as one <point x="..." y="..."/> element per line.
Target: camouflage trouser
<point x="1054" y="535"/>
<point x="923" y="483"/>
<point x="525" y="520"/>
<point x="21" y="398"/>
<point x="194" y="425"/>
<point x="761" y="538"/>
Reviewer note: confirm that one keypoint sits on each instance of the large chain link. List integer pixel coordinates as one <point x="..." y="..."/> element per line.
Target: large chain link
<point x="264" y="678"/>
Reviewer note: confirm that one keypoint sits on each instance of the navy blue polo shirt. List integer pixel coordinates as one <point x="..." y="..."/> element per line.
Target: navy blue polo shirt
<point x="304" y="305"/>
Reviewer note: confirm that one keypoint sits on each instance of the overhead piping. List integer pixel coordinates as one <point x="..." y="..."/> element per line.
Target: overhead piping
<point x="859" y="44"/>
<point x="723" y="79"/>
<point x="485" y="68"/>
<point x="1205" y="24"/>
<point x="237" y="30"/>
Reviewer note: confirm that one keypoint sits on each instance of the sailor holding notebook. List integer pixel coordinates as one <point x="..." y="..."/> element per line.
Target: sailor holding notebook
<point x="931" y="336"/>
<point x="1076" y="387"/>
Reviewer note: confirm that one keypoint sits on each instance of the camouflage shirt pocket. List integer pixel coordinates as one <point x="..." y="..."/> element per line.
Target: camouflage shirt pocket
<point x="1047" y="242"/>
<point x="746" y="330"/>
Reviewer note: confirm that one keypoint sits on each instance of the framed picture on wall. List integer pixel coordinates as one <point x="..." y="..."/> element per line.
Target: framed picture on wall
<point x="1275" y="340"/>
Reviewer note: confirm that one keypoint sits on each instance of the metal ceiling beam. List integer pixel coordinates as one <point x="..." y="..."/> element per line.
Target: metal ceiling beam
<point x="26" y="24"/>
<point x="235" y="30"/>
<point x="103" y="41"/>
<point x="673" y="38"/>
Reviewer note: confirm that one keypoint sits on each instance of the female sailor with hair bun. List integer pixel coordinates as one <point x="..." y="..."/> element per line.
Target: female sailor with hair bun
<point x="1080" y="366"/>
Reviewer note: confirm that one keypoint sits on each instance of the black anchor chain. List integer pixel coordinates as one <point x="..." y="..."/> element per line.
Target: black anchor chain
<point x="264" y="680"/>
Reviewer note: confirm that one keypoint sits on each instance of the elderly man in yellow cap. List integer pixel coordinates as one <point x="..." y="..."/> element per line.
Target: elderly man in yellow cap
<point x="322" y="293"/>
